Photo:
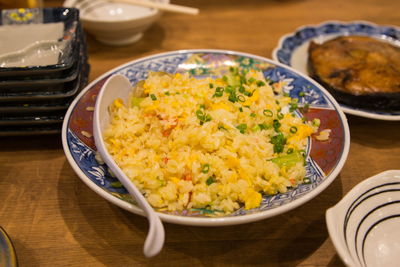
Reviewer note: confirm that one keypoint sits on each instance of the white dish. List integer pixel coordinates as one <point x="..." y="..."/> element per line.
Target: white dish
<point x="324" y="160"/>
<point x="17" y="37"/>
<point x="365" y="225"/>
<point x="115" y="23"/>
<point x="39" y="53"/>
<point x="292" y="51"/>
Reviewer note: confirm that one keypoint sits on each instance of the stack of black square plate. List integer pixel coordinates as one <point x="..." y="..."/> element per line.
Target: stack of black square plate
<point x="43" y="66"/>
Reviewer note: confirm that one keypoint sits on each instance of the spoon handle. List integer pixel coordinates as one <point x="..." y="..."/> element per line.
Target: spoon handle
<point x="156" y="235"/>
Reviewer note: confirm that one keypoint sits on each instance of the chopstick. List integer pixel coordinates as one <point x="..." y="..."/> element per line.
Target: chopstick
<point x="161" y="6"/>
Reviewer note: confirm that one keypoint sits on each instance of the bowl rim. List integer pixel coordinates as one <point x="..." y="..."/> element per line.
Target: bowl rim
<point x="153" y="13"/>
<point x="217" y="221"/>
<point x="334" y="215"/>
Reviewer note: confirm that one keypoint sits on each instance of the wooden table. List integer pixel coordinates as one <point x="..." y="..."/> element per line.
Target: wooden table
<point x="54" y="219"/>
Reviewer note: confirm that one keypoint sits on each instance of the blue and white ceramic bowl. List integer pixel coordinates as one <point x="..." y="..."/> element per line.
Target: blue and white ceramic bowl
<point x="292" y="50"/>
<point x="365" y="225"/>
<point x="8" y="257"/>
<point x="324" y="159"/>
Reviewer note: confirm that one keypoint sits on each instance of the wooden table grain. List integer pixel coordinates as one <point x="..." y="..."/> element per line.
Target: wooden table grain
<point x="54" y="219"/>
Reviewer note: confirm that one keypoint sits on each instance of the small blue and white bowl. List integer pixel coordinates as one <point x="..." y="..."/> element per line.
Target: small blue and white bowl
<point x="365" y="225"/>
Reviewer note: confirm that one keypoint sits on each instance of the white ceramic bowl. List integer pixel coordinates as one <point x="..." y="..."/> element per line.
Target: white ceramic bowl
<point x="365" y="225"/>
<point x="115" y="23"/>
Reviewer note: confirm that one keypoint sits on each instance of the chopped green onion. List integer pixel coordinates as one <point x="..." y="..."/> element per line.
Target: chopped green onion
<point x="302" y="93"/>
<point x="260" y="83"/>
<point x="167" y="93"/>
<point x="279" y="142"/>
<point x="203" y="117"/>
<point x="241" y="109"/>
<point x="241" y="98"/>
<point x="242" y="89"/>
<point x="286" y="94"/>
<point x="252" y="115"/>
<point x="293" y="129"/>
<point x="221" y="127"/>
<point x="255" y="128"/>
<point x="276" y="124"/>
<point x="268" y="113"/>
<point x="280" y="115"/>
<point x="251" y="80"/>
<point x="199" y="113"/>
<point x="263" y="126"/>
<point x="242" y="127"/>
<point x="210" y="180"/>
<point x="290" y="151"/>
<point x="211" y="86"/>
<point x="219" y="91"/>
<point x="205" y="168"/>
<point x="202" y="106"/>
<point x="228" y="89"/>
<point x="232" y="96"/>
<point x="153" y="97"/>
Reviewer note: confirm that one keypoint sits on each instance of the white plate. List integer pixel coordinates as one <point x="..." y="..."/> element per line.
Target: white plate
<point x="292" y="51"/>
<point x="324" y="159"/>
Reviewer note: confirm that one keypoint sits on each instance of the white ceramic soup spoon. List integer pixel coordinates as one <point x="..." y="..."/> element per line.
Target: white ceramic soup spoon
<point x="117" y="86"/>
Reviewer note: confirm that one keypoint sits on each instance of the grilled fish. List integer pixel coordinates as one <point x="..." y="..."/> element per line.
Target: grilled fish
<point x="358" y="70"/>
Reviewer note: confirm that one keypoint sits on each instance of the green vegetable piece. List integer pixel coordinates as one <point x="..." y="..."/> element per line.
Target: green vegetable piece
<point x="279" y="142"/>
<point x="205" y="168"/>
<point x="260" y="83"/>
<point x="288" y="160"/>
<point x="233" y="79"/>
<point x="268" y="113"/>
<point x="276" y="124"/>
<point x="210" y="180"/>
<point x="256" y="128"/>
<point x="232" y="96"/>
<point x="241" y="98"/>
<point x="263" y="126"/>
<point x="251" y="80"/>
<point x="242" y="127"/>
<point x="135" y="101"/>
<point x="153" y="97"/>
<point x="203" y="117"/>
<point x="219" y="91"/>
